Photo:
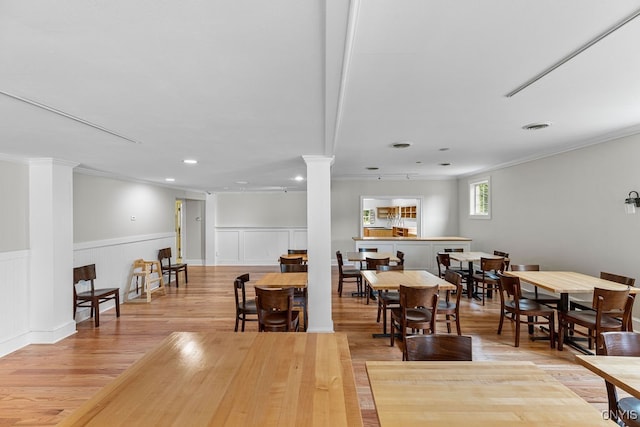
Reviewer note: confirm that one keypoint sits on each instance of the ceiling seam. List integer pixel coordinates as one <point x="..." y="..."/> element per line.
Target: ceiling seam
<point x="354" y="8"/>
<point x="574" y="54"/>
<point x="68" y="116"/>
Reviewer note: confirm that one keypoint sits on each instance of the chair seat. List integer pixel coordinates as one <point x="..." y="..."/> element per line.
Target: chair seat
<point x="414" y="315"/>
<point x="446" y="306"/>
<point x="487" y="278"/>
<point x="588" y="317"/>
<point x="97" y="293"/>
<point x="540" y="298"/>
<point x="630" y="408"/>
<point x="528" y="306"/>
<point x="248" y="307"/>
<point x="389" y="297"/>
<point x="351" y="273"/>
<point x="279" y="320"/>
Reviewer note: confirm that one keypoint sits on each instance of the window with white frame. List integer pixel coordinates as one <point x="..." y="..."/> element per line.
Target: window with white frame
<point x="479" y="198"/>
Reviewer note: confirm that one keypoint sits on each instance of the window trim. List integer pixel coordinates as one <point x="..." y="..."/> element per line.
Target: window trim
<point x="473" y="183"/>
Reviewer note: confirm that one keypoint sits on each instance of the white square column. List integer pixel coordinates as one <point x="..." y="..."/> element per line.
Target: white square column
<point x="51" y="249"/>
<point x="319" y="242"/>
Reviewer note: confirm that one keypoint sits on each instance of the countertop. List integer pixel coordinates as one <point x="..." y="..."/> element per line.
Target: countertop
<point x="426" y="239"/>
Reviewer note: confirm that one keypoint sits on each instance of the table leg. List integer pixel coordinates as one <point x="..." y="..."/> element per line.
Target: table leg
<point x="470" y="292"/>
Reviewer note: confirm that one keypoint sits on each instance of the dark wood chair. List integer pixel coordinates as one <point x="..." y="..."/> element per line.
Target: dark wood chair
<point x="387" y="299"/>
<point x="443" y="261"/>
<point x="400" y="256"/>
<point x="300" y="296"/>
<point x="451" y="309"/>
<point x="350" y="275"/>
<point x="245" y="309"/>
<point x="623" y="280"/>
<point x="487" y="278"/>
<point x="363" y="266"/>
<point x="164" y="256"/>
<point x="417" y="311"/>
<point x="627" y="409"/>
<point x="275" y="310"/>
<point x="611" y="311"/>
<point x="372" y="264"/>
<point x="514" y="307"/>
<point x="534" y="295"/>
<point x="439" y="348"/>
<point x="284" y="260"/>
<point x="93" y="297"/>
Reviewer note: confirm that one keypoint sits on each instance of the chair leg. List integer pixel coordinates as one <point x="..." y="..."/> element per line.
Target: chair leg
<point x="501" y="322"/>
<point x="379" y="309"/>
<point x="561" y="332"/>
<point x="552" y="331"/>
<point x="458" y="324"/>
<point x="340" y="287"/>
<point x="517" y="331"/>
<point x="237" y="320"/>
<point x="117" y="304"/>
<point x="448" y="317"/>
<point x="95" y="307"/>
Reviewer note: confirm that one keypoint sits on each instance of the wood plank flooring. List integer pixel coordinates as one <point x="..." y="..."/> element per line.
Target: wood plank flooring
<point x="41" y="384"/>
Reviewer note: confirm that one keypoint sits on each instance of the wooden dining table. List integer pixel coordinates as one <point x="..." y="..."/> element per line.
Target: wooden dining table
<point x="283" y="280"/>
<point x="231" y="379"/>
<point x="484" y="393"/>
<point x="566" y="283"/>
<point x="622" y="371"/>
<point x="471" y="257"/>
<point x="391" y="280"/>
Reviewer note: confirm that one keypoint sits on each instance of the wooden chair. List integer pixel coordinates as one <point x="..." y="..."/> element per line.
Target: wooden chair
<point x="300" y="297"/>
<point x="451" y="309"/>
<point x="400" y="256"/>
<point x="623" y="280"/>
<point x="372" y="264"/>
<point x="275" y="310"/>
<point x="443" y="261"/>
<point x="611" y="311"/>
<point x="284" y="260"/>
<point x="417" y="310"/>
<point x="93" y="297"/>
<point x="535" y="296"/>
<point x="387" y="299"/>
<point x="513" y="307"/>
<point x="362" y="263"/>
<point x="439" y="348"/>
<point x="487" y="278"/>
<point x="348" y="275"/>
<point x="627" y="409"/>
<point x="245" y="310"/>
<point x="164" y="255"/>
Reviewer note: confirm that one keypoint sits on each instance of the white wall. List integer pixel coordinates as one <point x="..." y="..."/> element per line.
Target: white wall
<point x="194" y="218"/>
<point x="14" y="197"/>
<point x="253" y="209"/>
<point x="564" y="212"/>
<point x="103" y="207"/>
<point x="439" y="209"/>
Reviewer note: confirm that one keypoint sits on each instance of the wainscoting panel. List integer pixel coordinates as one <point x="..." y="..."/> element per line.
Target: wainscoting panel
<point x="14" y="304"/>
<point x="256" y="246"/>
<point x="114" y="258"/>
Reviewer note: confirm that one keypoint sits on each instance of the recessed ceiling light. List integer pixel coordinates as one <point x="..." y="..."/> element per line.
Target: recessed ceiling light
<point x="419" y="161"/>
<point x="536" y="126"/>
<point x="190" y="161"/>
<point x="445" y="164"/>
<point x="170" y="179"/>
<point x="443" y="149"/>
<point x="403" y="144"/>
<point x="242" y="182"/>
<point x="299" y="178"/>
<point x="372" y="168"/>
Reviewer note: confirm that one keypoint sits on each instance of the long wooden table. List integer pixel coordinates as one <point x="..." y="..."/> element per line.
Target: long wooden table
<point x="391" y="280"/>
<point x="283" y="280"/>
<point x="232" y="379"/>
<point x="565" y="283"/>
<point x="622" y="371"/>
<point x="487" y="393"/>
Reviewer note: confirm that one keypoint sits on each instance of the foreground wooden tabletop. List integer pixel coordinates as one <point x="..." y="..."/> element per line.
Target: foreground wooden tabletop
<point x="232" y="379"/>
<point x="487" y="393"/>
<point x="283" y="280"/>
<point x="622" y="371"/>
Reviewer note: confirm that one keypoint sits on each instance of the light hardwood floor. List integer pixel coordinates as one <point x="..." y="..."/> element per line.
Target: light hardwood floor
<point x="41" y="384"/>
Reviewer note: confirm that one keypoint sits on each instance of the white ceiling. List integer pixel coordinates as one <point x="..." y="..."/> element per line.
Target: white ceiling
<point x="247" y="87"/>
